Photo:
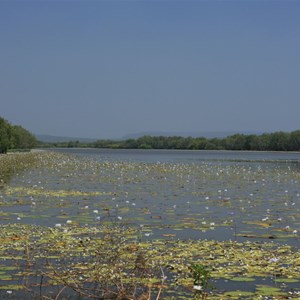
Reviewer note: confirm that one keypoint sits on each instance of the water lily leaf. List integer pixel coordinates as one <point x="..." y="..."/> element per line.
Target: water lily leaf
<point x="287" y="280"/>
<point x="266" y="290"/>
<point x="243" y="279"/>
<point x="238" y="294"/>
<point x="5" y="277"/>
<point x="11" y="287"/>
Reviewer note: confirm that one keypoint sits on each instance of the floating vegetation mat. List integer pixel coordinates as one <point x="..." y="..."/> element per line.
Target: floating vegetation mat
<point x="74" y="225"/>
<point x="110" y="260"/>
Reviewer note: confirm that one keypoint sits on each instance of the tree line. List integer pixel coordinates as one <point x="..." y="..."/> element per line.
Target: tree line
<point x="277" y="141"/>
<point x="14" y="137"/>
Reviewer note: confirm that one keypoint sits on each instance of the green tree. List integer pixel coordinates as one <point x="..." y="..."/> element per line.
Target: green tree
<point x="145" y="142"/>
<point x="294" y="142"/>
<point x="279" y="141"/>
<point x="130" y="144"/>
<point x="5" y="135"/>
<point x="260" y="142"/>
<point x="15" y="137"/>
<point x="198" y="143"/>
<point x="236" y="142"/>
<point x="22" y="138"/>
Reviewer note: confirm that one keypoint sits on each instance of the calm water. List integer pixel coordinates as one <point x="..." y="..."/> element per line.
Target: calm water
<point x="183" y="156"/>
<point x="186" y="194"/>
<point x="189" y="194"/>
<point x="169" y="194"/>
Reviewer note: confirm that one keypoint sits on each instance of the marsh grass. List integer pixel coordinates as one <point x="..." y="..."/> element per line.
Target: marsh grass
<point x="11" y="164"/>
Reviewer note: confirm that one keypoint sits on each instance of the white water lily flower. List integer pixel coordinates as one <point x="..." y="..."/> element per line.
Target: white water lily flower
<point x="95" y="211"/>
<point x="274" y="259"/>
<point x="197" y="287"/>
<point x="58" y="225"/>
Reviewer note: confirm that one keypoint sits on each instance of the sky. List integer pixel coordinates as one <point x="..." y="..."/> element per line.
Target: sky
<point x="106" y="69"/>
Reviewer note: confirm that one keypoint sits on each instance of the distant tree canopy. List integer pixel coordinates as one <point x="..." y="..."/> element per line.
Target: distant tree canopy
<point x="277" y="141"/>
<point x="14" y="137"/>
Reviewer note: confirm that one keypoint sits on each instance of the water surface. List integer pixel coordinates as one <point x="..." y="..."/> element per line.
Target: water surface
<point x="185" y="194"/>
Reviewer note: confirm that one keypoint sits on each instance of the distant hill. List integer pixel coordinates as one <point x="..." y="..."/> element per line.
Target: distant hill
<point x="61" y="139"/>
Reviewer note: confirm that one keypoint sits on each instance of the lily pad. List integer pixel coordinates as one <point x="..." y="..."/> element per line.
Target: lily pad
<point x="243" y="279"/>
<point x="287" y="280"/>
<point x="11" y="287"/>
<point x="267" y="290"/>
<point x="238" y="294"/>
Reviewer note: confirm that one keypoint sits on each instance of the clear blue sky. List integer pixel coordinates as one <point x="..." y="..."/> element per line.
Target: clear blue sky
<point x="105" y="69"/>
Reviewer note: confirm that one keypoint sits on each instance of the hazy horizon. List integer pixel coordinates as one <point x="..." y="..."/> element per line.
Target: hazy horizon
<point x="107" y="69"/>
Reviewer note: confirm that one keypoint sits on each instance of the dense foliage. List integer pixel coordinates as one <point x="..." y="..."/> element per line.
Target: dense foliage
<point x="277" y="141"/>
<point x="14" y="137"/>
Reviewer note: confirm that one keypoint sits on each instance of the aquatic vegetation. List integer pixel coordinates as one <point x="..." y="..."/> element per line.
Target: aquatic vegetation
<point x="21" y="191"/>
<point x="201" y="279"/>
<point x="111" y="260"/>
<point x="12" y="164"/>
<point x="88" y="226"/>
